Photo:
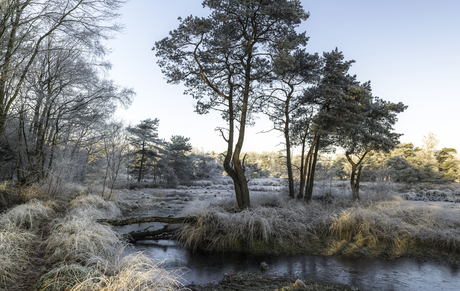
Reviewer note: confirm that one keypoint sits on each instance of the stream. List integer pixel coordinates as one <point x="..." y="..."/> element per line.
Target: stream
<point x="367" y="274"/>
<point x="364" y="273"/>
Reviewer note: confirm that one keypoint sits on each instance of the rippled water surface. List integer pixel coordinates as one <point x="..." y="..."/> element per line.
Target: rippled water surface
<point x="368" y="274"/>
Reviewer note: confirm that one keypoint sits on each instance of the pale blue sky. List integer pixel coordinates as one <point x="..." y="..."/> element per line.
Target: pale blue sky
<point x="410" y="50"/>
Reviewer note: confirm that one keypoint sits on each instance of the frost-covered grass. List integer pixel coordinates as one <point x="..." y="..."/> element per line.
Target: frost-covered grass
<point x="17" y="228"/>
<point x="28" y="215"/>
<point x="94" y="207"/>
<point x="380" y="222"/>
<point x="82" y="240"/>
<point x="14" y="246"/>
<point x="135" y="272"/>
<point x="79" y="239"/>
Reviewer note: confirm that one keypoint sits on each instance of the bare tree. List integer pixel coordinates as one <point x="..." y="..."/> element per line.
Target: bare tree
<point x="26" y="24"/>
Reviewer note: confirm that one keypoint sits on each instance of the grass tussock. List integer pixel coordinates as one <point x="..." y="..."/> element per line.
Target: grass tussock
<point x="27" y="216"/>
<point x="65" y="277"/>
<point x="390" y="226"/>
<point x="94" y="207"/>
<point x="14" y="246"/>
<point x="136" y="272"/>
<point x="82" y="240"/>
<point x="219" y="229"/>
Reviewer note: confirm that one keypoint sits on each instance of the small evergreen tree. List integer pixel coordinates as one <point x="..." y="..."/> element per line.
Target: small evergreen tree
<point x="179" y="158"/>
<point x="144" y="139"/>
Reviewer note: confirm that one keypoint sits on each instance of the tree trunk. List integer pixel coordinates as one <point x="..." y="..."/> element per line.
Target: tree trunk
<point x="232" y="163"/>
<point x="302" y="171"/>
<point x="311" y="173"/>
<point x="288" y="144"/>
<point x="142" y="162"/>
<point x="355" y="175"/>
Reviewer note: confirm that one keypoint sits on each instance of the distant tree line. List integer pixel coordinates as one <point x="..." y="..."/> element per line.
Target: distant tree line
<point x="405" y="163"/>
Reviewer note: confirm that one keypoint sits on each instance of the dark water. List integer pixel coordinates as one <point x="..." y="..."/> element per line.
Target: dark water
<point x="367" y="274"/>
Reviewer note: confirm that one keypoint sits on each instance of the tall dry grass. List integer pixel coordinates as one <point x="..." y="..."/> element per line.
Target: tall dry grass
<point x="28" y="215"/>
<point x="386" y="222"/>
<point x="14" y="247"/>
<point x="136" y="272"/>
<point x="94" y="207"/>
<point x="82" y="240"/>
<point x="221" y="228"/>
<point x="17" y="227"/>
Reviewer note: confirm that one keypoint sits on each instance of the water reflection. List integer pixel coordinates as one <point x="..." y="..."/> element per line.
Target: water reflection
<point x="368" y="274"/>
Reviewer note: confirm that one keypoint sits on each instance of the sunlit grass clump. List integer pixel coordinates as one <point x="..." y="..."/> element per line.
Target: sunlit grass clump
<point x="135" y="272"/>
<point x="65" y="277"/>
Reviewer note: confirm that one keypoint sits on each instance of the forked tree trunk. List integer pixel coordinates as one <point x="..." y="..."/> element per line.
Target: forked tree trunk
<point x="356" y="169"/>
<point x="232" y="162"/>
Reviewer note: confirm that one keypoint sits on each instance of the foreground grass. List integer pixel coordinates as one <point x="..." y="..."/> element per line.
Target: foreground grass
<point x="390" y="228"/>
<point x="81" y="253"/>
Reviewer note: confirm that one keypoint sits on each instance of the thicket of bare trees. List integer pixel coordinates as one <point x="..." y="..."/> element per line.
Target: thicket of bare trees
<point x="55" y="103"/>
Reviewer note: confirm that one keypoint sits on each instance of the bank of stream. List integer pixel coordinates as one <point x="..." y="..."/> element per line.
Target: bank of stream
<point x="364" y="273"/>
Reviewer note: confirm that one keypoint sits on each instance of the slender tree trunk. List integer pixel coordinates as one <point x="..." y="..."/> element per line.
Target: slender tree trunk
<point x="311" y="172"/>
<point x="302" y="171"/>
<point x="308" y="160"/>
<point x="288" y="153"/>
<point x="19" y="161"/>
<point x="142" y="162"/>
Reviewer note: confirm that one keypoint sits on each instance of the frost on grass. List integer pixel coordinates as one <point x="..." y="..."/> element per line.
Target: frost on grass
<point x="135" y="272"/>
<point x="82" y="240"/>
<point x="14" y="246"/>
<point x="95" y="207"/>
<point x="220" y="228"/>
<point x="379" y="220"/>
<point x="65" y="277"/>
<point x="28" y="215"/>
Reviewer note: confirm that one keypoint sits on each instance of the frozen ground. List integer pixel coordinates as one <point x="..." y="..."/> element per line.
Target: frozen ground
<point x="167" y="202"/>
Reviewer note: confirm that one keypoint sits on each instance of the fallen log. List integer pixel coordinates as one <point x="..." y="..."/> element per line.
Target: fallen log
<point x="139" y="220"/>
<point x="164" y="233"/>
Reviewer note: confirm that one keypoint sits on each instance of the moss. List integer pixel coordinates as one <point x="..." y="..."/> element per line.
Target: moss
<point x="63" y="278"/>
